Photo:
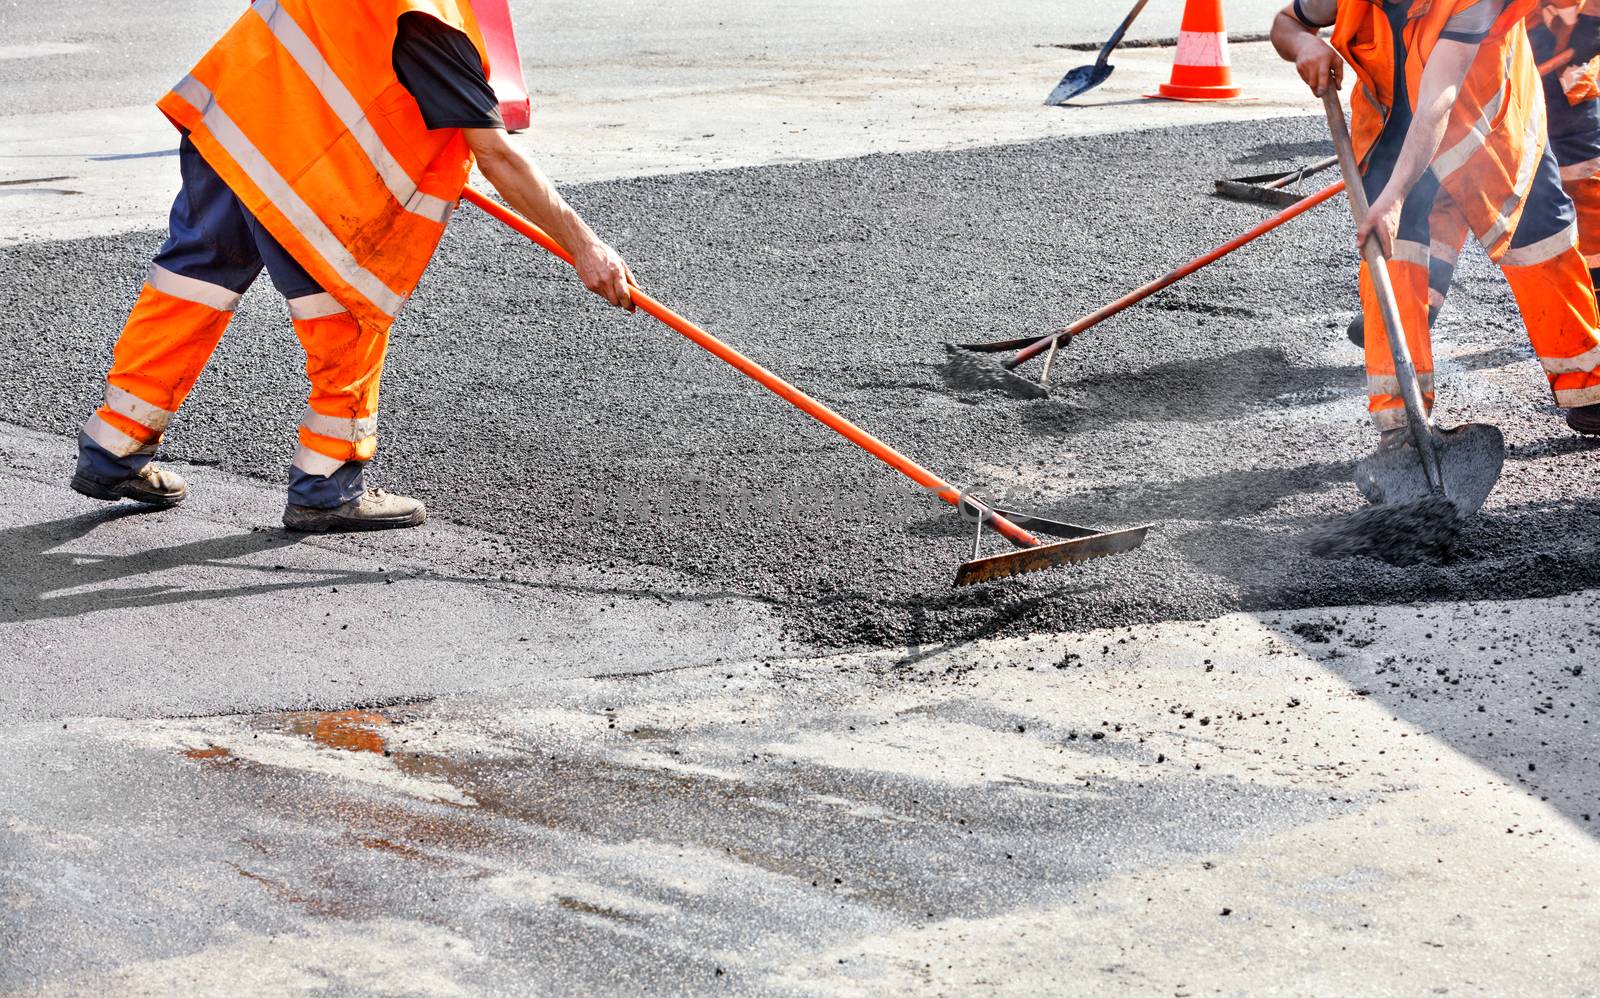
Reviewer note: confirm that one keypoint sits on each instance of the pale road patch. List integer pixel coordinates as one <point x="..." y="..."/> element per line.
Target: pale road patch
<point x="39" y="49"/>
<point x="386" y="956"/>
<point x="602" y="126"/>
<point x="1313" y="799"/>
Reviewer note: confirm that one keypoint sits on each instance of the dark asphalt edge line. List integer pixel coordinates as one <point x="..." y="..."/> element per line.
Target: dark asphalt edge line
<point x="1163" y="42"/>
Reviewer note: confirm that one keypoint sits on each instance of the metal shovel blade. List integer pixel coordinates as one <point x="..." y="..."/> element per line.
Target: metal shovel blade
<point x="1037" y="559"/>
<point x="1077" y="81"/>
<point x="1470" y="458"/>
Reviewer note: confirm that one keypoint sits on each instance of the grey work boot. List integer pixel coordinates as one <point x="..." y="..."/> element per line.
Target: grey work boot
<point x="1585" y="419"/>
<point x="151" y="485"/>
<point x="374" y="509"/>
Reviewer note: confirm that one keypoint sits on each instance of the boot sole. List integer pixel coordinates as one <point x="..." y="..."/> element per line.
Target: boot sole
<point x="111" y="493"/>
<point x="343" y="525"/>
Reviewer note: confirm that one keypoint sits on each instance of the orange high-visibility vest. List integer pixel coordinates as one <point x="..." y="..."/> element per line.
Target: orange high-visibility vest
<point x="298" y="109"/>
<point x="1581" y="82"/>
<point x="1496" y="131"/>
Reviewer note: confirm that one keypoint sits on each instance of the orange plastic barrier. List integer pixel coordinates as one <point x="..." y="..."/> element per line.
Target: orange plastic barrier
<point x="505" y="63"/>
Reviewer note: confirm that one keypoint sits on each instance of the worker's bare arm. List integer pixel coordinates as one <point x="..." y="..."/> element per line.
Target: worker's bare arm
<point x="526" y="188"/>
<point x="1297" y="42"/>
<point x="1436" y="96"/>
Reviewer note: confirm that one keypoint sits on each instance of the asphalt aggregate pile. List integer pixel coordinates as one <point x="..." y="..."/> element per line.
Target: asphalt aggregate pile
<point x="1423" y="531"/>
<point x="1227" y="410"/>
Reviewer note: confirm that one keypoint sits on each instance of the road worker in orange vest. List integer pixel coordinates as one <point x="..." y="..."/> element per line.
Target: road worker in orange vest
<point x="1572" y="109"/>
<point x="1447" y="100"/>
<point x="328" y="143"/>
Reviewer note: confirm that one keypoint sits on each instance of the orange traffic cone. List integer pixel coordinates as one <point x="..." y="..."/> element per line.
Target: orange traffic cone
<point x="1200" y="69"/>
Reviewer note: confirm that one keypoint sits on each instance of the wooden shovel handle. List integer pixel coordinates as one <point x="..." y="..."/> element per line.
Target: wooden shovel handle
<point x="1378" y="269"/>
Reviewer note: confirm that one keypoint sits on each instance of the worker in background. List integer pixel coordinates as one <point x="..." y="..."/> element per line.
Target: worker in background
<point x="1572" y="108"/>
<point x="329" y="143"/>
<point x="1448" y="100"/>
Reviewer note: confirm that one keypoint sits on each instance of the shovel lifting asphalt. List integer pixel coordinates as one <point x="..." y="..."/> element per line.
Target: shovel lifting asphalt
<point x="1086" y="78"/>
<point x="1461" y="464"/>
<point x="1034" y="555"/>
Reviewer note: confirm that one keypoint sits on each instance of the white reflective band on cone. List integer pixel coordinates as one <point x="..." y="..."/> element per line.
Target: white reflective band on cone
<point x="313" y="463"/>
<point x="1571" y="398"/>
<point x="339" y="427"/>
<point x="285" y="199"/>
<point x="1583" y="363"/>
<point x="114" y="441"/>
<point x="317" y="306"/>
<point x="343" y="103"/>
<point x="125" y="403"/>
<point x="1545" y="249"/>
<point x="190" y="289"/>
<point x="1201" y="48"/>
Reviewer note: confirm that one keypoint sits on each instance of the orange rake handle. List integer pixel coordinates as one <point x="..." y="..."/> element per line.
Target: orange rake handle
<point x="789" y="393"/>
<point x="1172" y="277"/>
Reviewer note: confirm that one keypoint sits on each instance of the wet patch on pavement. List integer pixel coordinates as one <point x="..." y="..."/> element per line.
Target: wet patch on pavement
<point x="758" y="822"/>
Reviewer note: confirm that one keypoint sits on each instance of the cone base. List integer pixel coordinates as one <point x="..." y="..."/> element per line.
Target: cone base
<point x="1170" y="91"/>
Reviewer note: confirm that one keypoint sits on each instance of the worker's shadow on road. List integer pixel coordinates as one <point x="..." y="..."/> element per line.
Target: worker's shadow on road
<point x="41" y="582"/>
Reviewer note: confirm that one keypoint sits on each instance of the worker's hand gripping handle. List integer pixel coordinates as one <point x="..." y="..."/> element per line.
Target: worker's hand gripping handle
<point x="1378" y="270"/>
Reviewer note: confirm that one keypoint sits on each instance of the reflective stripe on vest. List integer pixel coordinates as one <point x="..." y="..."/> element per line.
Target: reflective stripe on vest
<point x="299" y="110"/>
<point x="283" y="197"/>
<point x="304" y="52"/>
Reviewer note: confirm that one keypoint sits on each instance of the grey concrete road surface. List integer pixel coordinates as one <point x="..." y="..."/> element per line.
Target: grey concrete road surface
<point x="1363" y="802"/>
<point x="671" y="697"/>
<point x="648" y="88"/>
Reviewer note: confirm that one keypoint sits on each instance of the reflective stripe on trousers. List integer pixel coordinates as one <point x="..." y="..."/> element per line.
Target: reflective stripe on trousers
<point x="214" y="252"/>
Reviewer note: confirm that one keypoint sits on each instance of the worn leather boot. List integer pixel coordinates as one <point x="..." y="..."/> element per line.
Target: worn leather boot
<point x="374" y="509"/>
<point x="1585" y="419"/>
<point x="151" y="485"/>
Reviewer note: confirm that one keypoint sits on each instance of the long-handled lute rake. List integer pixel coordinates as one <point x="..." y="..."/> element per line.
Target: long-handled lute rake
<point x="1034" y="554"/>
<point x="967" y="368"/>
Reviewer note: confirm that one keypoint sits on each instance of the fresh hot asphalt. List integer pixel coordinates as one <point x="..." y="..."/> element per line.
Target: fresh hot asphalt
<point x="1227" y="411"/>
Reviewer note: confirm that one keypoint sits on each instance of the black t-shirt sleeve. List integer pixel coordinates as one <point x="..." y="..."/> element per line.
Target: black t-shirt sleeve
<point x="444" y="73"/>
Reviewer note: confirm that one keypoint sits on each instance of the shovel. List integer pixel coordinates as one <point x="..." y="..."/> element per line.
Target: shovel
<point x="1033" y="555"/>
<point x="1461" y="464"/>
<point x="1088" y="77"/>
